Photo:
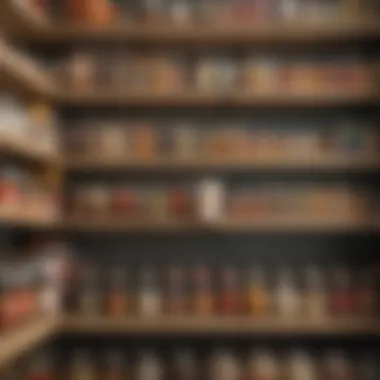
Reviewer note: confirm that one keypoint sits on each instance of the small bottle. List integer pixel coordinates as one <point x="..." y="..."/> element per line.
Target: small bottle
<point x="230" y="296"/>
<point x="337" y="367"/>
<point x="184" y="366"/>
<point x="89" y="293"/>
<point x="365" y="294"/>
<point x="115" y="365"/>
<point x="41" y="367"/>
<point x="286" y="295"/>
<point x="314" y="294"/>
<point x="148" y="367"/>
<point x="83" y="366"/>
<point x="262" y="365"/>
<point x="224" y="366"/>
<point x="258" y="298"/>
<point x="340" y="297"/>
<point x="210" y="200"/>
<point x="203" y="292"/>
<point x="301" y="367"/>
<point x="117" y="299"/>
<point x="177" y="303"/>
<point x="150" y="299"/>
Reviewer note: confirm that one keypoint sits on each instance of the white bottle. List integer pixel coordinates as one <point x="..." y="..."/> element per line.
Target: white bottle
<point x="286" y="295"/>
<point x="210" y="200"/>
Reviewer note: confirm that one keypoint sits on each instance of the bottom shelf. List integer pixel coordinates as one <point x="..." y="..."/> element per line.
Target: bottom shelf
<point x="218" y="325"/>
<point x="15" y="344"/>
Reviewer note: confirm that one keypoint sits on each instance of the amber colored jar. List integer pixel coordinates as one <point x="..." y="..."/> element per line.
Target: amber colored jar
<point x="258" y="298"/>
<point x="124" y="203"/>
<point x="177" y="301"/>
<point x="144" y="142"/>
<point x="203" y="297"/>
<point x="96" y="12"/>
<point x="168" y="75"/>
<point x="117" y="298"/>
<point x="179" y="203"/>
<point x="341" y="300"/>
<point x="230" y="295"/>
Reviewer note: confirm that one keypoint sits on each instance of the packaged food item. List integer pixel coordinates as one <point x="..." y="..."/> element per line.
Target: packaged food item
<point x="177" y="301"/>
<point x="118" y="297"/>
<point x="185" y="366"/>
<point x="263" y="365"/>
<point x="230" y="303"/>
<point x="224" y="366"/>
<point x="83" y="366"/>
<point x="286" y="295"/>
<point x="203" y="293"/>
<point x="115" y="365"/>
<point x="340" y="294"/>
<point x="315" y="297"/>
<point x="149" y="297"/>
<point x="258" y="297"/>
<point x="148" y="367"/>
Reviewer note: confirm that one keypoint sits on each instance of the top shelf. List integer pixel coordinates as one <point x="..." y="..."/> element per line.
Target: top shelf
<point x="30" y="26"/>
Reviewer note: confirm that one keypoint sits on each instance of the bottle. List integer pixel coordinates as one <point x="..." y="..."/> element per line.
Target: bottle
<point x="115" y="367"/>
<point x="177" y="303"/>
<point x="230" y="296"/>
<point x="340" y="297"/>
<point x="184" y="366"/>
<point x="314" y="294"/>
<point x="301" y="367"/>
<point x="89" y="296"/>
<point x="365" y="294"/>
<point x="148" y="367"/>
<point x="258" y="299"/>
<point x="286" y="296"/>
<point x="262" y="366"/>
<point x="82" y="366"/>
<point x="117" y="299"/>
<point x="210" y="200"/>
<point x="337" y="367"/>
<point x="368" y="367"/>
<point x="224" y="366"/>
<point x="203" y="292"/>
<point x="150" y="300"/>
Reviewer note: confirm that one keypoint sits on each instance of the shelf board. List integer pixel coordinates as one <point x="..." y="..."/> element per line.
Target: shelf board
<point x="28" y="222"/>
<point x="14" y="344"/>
<point x="217" y="325"/>
<point x="264" y="226"/>
<point x="205" y="100"/>
<point x="176" y="164"/>
<point x="21" y="74"/>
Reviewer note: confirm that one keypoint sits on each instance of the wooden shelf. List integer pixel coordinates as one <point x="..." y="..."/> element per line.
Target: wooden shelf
<point x="175" y="164"/>
<point x="22" y="74"/>
<point x="196" y="99"/>
<point x="214" y="325"/>
<point x="28" y="222"/>
<point x="225" y="227"/>
<point x="24" y="339"/>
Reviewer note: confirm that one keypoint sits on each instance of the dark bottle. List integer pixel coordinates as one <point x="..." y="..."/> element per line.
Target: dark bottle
<point x="185" y="366"/>
<point x="340" y="296"/>
<point x="115" y="368"/>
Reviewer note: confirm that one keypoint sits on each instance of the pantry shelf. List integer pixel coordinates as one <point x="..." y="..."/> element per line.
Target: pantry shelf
<point x="215" y="100"/>
<point x="218" y="325"/>
<point x="14" y="344"/>
<point x="29" y="222"/>
<point x="174" y="164"/>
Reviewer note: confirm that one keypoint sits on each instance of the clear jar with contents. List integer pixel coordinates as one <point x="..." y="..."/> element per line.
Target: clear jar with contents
<point x="203" y="292"/>
<point x="315" y="297"/>
<point x="117" y="298"/>
<point x="149" y="296"/>
<point x="258" y="297"/>
<point x="286" y="295"/>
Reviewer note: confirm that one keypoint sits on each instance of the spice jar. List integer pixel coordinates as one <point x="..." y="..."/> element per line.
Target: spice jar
<point x="81" y="72"/>
<point x="184" y="366"/>
<point x="167" y="74"/>
<point x="115" y="367"/>
<point x="340" y="293"/>
<point x="286" y="295"/>
<point x="144" y="142"/>
<point x="300" y="367"/>
<point x="41" y="367"/>
<point x="337" y="367"/>
<point x="117" y="298"/>
<point x="203" y="292"/>
<point x="262" y="365"/>
<point x="314" y="294"/>
<point x="124" y="203"/>
<point x="230" y="293"/>
<point x="148" y="367"/>
<point x="261" y="74"/>
<point x="149" y="297"/>
<point x="180" y="205"/>
<point x="185" y="143"/>
<point x="83" y="366"/>
<point x="224" y="366"/>
<point x="365" y="294"/>
<point x="98" y="201"/>
<point x="89" y="302"/>
<point x="258" y="298"/>
<point x="113" y="143"/>
<point x="177" y="303"/>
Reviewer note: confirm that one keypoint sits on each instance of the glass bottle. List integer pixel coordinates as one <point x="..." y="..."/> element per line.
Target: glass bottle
<point x="258" y="299"/>
<point x="177" y="303"/>
<point x="224" y="366"/>
<point x="365" y="294"/>
<point x="83" y="366"/>
<point x="184" y="366"/>
<point x="117" y="299"/>
<point x="230" y="297"/>
<point x="286" y="295"/>
<point x="262" y="365"/>
<point x="337" y="367"/>
<point x="340" y="297"/>
<point x="150" y="299"/>
<point x="203" y="292"/>
<point x="301" y="367"/>
<point x="148" y="367"/>
<point x="315" y="294"/>
<point x="115" y="367"/>
<point x="89" y="293"/>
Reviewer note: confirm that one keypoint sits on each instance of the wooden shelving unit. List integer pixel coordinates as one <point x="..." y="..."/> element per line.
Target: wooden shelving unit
<point x="15" y="344"/>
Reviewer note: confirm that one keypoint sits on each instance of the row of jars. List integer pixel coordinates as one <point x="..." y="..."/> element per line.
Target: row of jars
<point x="182" y="12"/>
<point x="311" y="293"/>
<point x="222" y="363"/>
<point x="146" y="140"/>
<point x="25" y="123"/>
<point x="173" y="72"/>
<point x="212" y="200"/>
